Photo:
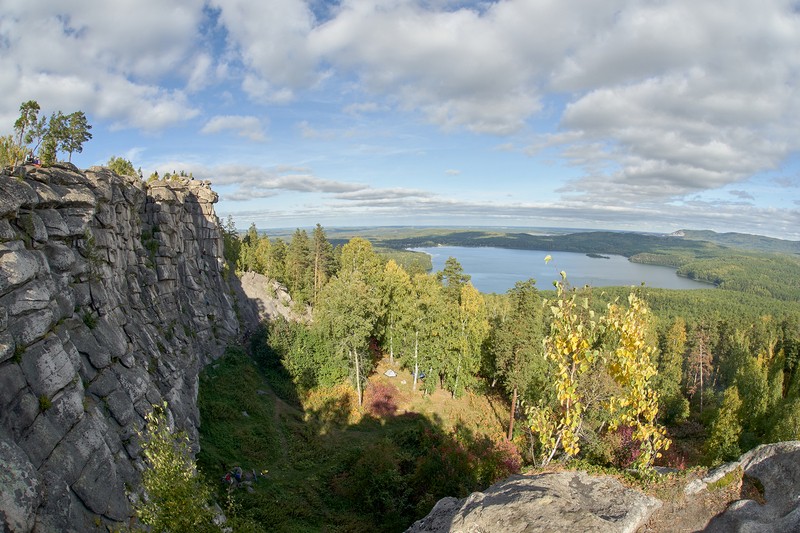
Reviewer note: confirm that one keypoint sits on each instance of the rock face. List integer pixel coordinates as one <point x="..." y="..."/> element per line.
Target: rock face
<point x="558" y="502"/>
<point x="112" y="298"/>
<point x="268" y="300"/>
<point x="777" y="468"/>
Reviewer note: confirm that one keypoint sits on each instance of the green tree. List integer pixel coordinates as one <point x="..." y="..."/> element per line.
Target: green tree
<point x="248" y="258"/>
<point x="121" y="166"/>
<point x="28" y="113"/>
<point x="428" y="321"/>
<point x="277" y="261"/>
<point x="298" y="266"/>
<point x="322" y="260"/>
<point x="77" y="133"/>
<point x="232" y="246"/>
<point x="10" y="152"/>
<point x="787" y="425"/>
<point x="723" y="441"/>
<point x="517" y="344"/>
<point x="346" y="314"/>
<point x="396" y="301"/>
<point x="55" y="138"/>
<point x="674" y="407"/>
<point x="36" y="133"/>
<point x="452" y="277"/>
<point x="359" y="256"/>
<point x="176" y="499"/>
<point x="472" y="330"/>
<point x="700" y="362"/>
<point x="49" y="150"/>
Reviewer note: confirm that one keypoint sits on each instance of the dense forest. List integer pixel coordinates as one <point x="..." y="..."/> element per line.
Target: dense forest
<point x="609" y="377"/>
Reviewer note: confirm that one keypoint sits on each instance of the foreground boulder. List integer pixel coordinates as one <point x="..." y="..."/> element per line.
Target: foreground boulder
<point x="563" y="501"/>
<point x="776" y="467"/>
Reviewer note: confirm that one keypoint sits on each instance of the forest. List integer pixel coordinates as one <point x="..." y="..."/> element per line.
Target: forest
<point x="612" y="378"/>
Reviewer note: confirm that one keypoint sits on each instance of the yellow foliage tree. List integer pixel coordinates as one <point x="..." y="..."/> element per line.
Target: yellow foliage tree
<point x="578" y="342"/>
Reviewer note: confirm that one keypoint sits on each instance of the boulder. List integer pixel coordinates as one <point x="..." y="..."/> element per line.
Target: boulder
<point x="562" y="501"/>
<point x="777" y="468"/>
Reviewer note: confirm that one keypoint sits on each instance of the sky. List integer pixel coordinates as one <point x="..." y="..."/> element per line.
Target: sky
<point x="642" y="115"/>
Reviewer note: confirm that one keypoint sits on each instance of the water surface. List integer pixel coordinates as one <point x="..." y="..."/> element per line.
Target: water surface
<point x="498" y="269"/>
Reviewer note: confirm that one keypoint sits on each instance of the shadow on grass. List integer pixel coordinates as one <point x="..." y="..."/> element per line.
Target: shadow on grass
<point x="325" y="471"/>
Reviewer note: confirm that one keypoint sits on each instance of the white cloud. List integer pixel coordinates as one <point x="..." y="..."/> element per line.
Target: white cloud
<point x="108" y="59"/>
<point x="244" y="126"/>
<point x="681" y="97"/>
<point x="249" y="182"/>
<point x="272" y="41"/>
<point x="361" y="108"/>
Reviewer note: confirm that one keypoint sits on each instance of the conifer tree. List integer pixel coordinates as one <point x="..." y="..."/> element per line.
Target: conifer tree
<point x="726" y="429"/>
<point x="674" y="407"/>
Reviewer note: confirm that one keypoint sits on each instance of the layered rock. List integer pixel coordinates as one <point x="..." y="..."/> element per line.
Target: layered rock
<point x="113" y="295"/>
<point x="556" y="502"/>
<point x="777" y="469"/>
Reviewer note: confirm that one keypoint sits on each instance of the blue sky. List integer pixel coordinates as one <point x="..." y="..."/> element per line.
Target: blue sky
<point x="621" y="114"/>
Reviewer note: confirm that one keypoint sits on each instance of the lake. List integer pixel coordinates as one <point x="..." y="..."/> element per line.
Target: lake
<point x="498" y="269"/>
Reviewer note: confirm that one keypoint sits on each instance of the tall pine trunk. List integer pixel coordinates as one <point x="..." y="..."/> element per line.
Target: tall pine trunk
<point x="513" y="410"/>
<point x="358" y="376"/>
<point x="416" y="359"/>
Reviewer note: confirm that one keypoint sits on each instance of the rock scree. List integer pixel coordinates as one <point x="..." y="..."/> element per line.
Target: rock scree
<point x="554" y="502"/>
<point x="113" y="296"/>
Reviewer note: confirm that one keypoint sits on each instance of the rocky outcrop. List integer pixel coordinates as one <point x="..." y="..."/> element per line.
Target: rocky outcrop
<point x="777" y="469"/>
<point x="266" y="299"/>
<point x="557" y="502"/>
<point x="112" y="297"/>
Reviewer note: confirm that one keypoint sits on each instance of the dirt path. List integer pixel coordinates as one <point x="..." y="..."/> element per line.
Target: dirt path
<point x="681" y="513"/>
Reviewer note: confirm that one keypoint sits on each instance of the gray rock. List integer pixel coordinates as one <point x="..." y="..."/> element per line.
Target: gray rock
<point x="72" y="397"/>
<point x="14" y="194"/>
<point x="558" y="502"/>
<point x="87" y="344"/>
<point x="33" y="226"/>
<point x="33" y="296"/>
<point x="11" y="384"/>
<point x="16" y="268"/>
<point x="8" y="346"/>
<point x="31" y="327"/>
<point x="60" y="256"/>
<point x="47" y="367"/>
<point x="19" y="488"/>
<point x="777" y="467"/>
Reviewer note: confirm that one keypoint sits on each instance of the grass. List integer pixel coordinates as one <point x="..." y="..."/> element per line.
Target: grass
<point x="332" y="467"/>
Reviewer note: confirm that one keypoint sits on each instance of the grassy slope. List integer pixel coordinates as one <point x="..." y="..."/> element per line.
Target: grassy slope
<point x="310" y="452"/>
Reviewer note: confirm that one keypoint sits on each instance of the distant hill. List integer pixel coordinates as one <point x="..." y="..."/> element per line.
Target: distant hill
<point x="744" y="241"/>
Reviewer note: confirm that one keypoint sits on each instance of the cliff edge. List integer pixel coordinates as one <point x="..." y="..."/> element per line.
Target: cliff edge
<point x="113" y="296"/>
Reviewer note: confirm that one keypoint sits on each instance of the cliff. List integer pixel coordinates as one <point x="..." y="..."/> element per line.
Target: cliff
<point x="113" y="296"/>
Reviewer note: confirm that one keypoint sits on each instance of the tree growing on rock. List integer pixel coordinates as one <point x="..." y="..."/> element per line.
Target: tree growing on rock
<point x="121" y="166"/>
<point x="175" y="497"/>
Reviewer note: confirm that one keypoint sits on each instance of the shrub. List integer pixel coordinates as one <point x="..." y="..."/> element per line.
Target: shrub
<point x="44" y="403"/>
<point x="380" y="399"/>
<point x="176" y="499"/>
